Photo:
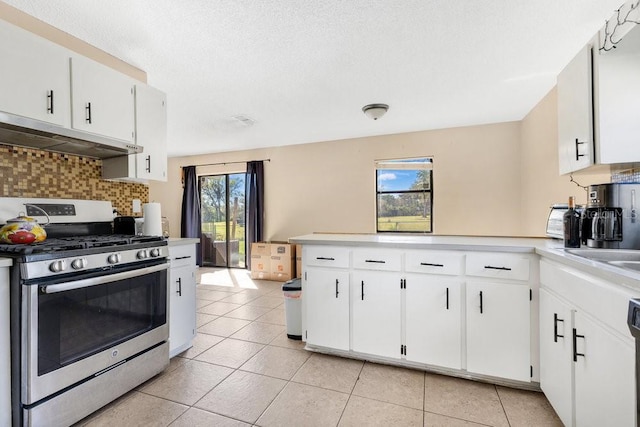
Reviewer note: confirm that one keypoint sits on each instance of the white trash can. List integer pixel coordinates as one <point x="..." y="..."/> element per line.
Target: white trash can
<point x="293" y="308"/>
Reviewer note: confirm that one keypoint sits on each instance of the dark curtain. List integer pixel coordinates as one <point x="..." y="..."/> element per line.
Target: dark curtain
<point x="191" y="218"/>
<point x="255" y="205"/>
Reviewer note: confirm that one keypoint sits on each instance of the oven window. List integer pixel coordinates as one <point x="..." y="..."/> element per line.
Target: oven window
<point x="75" y="324"/>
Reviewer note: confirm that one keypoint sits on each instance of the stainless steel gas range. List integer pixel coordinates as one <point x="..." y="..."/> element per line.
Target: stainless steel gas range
<point x="89" y="311"/>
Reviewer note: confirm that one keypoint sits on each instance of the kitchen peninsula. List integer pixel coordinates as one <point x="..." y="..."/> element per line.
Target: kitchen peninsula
<point x="516" y="311"/>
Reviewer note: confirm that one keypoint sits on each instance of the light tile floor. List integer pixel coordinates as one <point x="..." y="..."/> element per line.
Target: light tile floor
<point x="243" y="370"/>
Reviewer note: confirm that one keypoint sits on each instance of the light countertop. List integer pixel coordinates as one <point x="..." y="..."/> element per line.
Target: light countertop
<point x="178" y="241"/>
<point x="466" y="243"/>
<point x="546" y="248"/>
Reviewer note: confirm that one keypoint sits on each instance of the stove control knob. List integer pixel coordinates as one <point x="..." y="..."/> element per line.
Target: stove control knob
<point x="58" y="266"/>
<point x="142" y="254"/>
<point x="78" y="264"/>
<point x="114" y="258"/>
<point x="155" y="252"/>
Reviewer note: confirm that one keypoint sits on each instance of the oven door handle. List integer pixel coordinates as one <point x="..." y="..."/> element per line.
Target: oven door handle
<point x="85" y="283"/>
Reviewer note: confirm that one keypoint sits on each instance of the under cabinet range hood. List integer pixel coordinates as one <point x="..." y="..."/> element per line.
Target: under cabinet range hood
<point x="24" y="132"/>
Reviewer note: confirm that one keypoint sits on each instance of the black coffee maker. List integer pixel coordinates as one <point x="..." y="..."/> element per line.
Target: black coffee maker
<point x="610" y="219"/>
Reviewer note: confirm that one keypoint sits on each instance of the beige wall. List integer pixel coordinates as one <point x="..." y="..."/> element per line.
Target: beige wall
<point x="541" y="186"/>
<point x="28" y="22"/>
<point x="496" y="180"/>
<point x="330" y="186"/>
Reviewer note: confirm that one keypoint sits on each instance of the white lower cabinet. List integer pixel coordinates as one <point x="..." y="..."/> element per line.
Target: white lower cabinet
<point x="376" y="313"/>
<point x="327" y="310"/>
<point x="604" y="376"/>
<point x="587" y="358"/>
<point x="498" y="330"/>
<point x="409" y="307"/>
<point x="556" y="376"/>
<point x="182" y="298"/>
<point x="433" y="313"/>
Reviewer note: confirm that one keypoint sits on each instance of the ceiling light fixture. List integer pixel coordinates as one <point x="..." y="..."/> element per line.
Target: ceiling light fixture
<point x="375" y="111"/>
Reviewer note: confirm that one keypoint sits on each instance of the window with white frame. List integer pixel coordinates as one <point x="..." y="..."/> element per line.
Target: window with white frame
<point x="404" y="195"/>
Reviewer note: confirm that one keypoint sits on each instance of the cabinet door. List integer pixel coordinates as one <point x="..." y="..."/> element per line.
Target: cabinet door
<point x="556" y="375"/>
<point x="376" y="313"/>
<point x="433" y="320"/>
<point x="326" y="295"/>
<point x="182" y="310"/>
<point x="618" y="97"/>
<point x="102" y="100"/>
<point x="498" y="330"/>
<point x="35" y="76"/>
<point x="151" y="133"/>
<point x="575" y="113"/>
<point x="604" y="376"/>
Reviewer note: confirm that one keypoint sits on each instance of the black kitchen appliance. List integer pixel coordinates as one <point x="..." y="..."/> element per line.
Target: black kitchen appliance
<point x="124" y="225"/>
<point x="633" y="320"/>
<point x="610" y="220"/>
<point x="89" y="312"/>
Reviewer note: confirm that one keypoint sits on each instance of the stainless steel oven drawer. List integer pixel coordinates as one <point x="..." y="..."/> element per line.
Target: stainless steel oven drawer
<point x="86" y="398"/>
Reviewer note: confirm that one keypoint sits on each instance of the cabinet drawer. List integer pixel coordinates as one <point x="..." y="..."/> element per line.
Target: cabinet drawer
<point x="434" y="262"/>
<point x="498" y="265"/>
<point x="326" y="256"/>
<point x="377" y="259"/>
<point x="183" y="255"/>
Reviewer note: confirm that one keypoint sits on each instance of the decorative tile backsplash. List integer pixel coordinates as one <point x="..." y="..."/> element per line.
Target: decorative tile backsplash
<point x="627" y="175"/>
<point x="28" y="172"/>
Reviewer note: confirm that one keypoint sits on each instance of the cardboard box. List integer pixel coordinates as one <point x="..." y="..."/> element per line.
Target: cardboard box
<point x="282" y="262"/>
<point x="261" y="248"/>
<point x="299" y="261"/>
<point x="260" y="267"/>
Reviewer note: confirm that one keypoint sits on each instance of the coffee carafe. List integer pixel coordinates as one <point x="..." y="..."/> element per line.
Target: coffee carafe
<point x="610" y="220"/>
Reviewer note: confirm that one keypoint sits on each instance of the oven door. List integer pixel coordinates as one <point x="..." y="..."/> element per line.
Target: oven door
<point x="75" y="329"/>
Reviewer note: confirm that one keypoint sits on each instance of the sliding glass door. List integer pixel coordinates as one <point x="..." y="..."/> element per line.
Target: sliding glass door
<point x="223" y="220"/>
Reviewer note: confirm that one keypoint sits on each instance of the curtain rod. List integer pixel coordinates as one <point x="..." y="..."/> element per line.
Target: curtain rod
<point x="227" y="163"/>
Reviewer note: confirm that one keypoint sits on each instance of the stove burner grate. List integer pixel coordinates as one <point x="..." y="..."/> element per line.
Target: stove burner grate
<point x="76" y="242"/>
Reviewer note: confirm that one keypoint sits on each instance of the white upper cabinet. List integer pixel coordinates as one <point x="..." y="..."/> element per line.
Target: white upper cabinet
<point x="35" y="76"/>
<point x="618" y="101"/>
<point x="151" y="133"/>
<point x="102" y="100"/>
<point x="575" y="113"/>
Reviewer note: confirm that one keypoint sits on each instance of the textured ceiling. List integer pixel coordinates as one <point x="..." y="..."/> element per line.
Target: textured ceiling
<point x="302" y="70"/>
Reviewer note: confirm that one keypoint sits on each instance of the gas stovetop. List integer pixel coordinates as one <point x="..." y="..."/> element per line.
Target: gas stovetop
<point x="62" y="244"/>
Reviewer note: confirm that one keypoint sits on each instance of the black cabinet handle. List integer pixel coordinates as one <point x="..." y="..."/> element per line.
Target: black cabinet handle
<point x="575" y="345"/>
<point x="555" y="327"/>
<point x="375" y="261"/>
<point x="428" y="264"/>
<point x="337" y="288"/>
<point x="182" y="257"/>
<point x="148" y="161"/>
<point x="325" y="258"/>
<point x="447" y="298"/>
<point x="87" y="110"/>
<point x="481" y="308"/>
<point x="490" y="267"/>
<point x="50" y="101"/>
<point x="179" y="291"/>
<point x="362" y="290"/>
<point x="578" y="155"/>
